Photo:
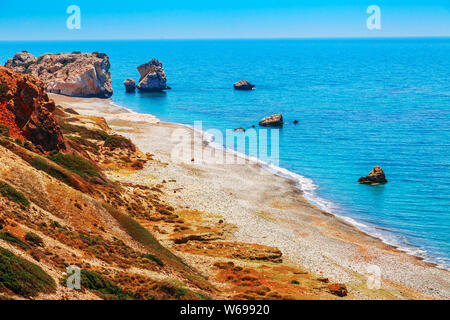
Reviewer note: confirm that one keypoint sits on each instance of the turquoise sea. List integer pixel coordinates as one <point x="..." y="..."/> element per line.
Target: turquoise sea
<point x="359" y="103"/>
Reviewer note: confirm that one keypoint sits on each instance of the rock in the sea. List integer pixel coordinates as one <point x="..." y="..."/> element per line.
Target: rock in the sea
<point x="376" y="176"/>
<point x="73" y="74"/>
<point x="26" y="110"/>
<point x="153" y="77"/>
<point x="240" y="129"/>
<point x="130" y="85"/>
<point x="275" y="120"/>
<point x="243" y="85"/>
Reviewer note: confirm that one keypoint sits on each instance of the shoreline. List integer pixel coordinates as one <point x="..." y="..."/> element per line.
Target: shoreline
<point x="306" y="185"/>
<point x="287" y="217"/>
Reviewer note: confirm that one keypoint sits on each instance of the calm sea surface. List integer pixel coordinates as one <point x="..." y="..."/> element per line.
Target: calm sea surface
<point x="359" y="103"/>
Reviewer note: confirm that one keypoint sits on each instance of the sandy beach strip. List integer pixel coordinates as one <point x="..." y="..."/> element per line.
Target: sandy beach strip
<point x="267" y="209"/>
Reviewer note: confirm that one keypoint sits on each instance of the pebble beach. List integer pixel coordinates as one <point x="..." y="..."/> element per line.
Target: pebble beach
<point x="266" y="209"/>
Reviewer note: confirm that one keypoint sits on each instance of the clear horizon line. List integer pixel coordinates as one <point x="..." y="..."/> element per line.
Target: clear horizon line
<point x="231" y="38"/>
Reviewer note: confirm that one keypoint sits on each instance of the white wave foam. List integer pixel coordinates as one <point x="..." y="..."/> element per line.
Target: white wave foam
<point x="308" y="188"/>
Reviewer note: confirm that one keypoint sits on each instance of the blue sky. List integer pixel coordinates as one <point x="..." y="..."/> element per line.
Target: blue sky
<point x="181" y="19"/>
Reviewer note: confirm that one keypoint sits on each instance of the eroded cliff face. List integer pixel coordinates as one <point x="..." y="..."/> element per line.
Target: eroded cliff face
<point x="73" y="74"/>
<point x="26" y="111"/>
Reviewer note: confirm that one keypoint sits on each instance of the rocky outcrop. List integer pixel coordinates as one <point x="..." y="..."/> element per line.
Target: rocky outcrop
<point x="21" y="61"/>
<point x="338" y="289"/>
<point x="153" y="77"/>
<point x="243" y="85"/>
<point x="275" y="120"/>
<point x="26" y="110"/>
<point x="376" y="176"/>
<point x="130" y="85"/>
<point x="72" y="74"/>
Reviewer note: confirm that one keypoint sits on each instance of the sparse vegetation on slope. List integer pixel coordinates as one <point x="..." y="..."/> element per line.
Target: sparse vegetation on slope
<point x="154" y="258"/>
<point x="4" y="131"/>
<point x="42" y="164"/>
<point x="23" y="277"/>
<point x="78" y="165"/>
<point x="12" y="194"/>
<point x="94" y="281"/>
<point x="118" y="142"/>
<point x="34" y="239"/>
<point x="12" y="239"/>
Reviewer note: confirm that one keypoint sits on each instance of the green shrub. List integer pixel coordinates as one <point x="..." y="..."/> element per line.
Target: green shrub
<point x="94" y="281"/>
<point x="181" y="292"/>
<point x="4" y="131"/>
<point x="12" y="239"/>
<point x="75" y="163"/>
<point x="3" y="88"/>
<point x="134" y="229"/>
<point x="23" y="277"/>
<point x="27" y="64"/>
<point x="42" y="164"/>
<point x="154" y="258"/>
<point x="34" y="239"/>
<point x="295" y="282"/>
<point x="84" y="132"/>
<point x="99" y="55"/>
<point x="12" y="194"/>
<point x="84" y="142"/>
<point x="116" y="141"/>
<point x="201" y="295"/>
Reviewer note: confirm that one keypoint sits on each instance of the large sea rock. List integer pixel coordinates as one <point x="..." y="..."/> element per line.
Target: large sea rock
<point x="27" y="112"/>
<point x="376" y="176"/>
<point x="130" y="85"/>
<point x="73" y="74"/>
<point x="275" y="120"/>
<point x="243" y="85"/>
<point x="153" y="78"/>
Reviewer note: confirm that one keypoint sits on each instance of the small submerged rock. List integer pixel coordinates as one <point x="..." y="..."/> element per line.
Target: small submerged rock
<point x="275" y="120"/>
<point x="376" y="176"/>
<point x="243" y="85"/>
<point x="130" y="85"/>
<point x="240" y="129"/>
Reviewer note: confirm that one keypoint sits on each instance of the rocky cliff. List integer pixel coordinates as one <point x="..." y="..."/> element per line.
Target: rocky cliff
<point x="26" y="111"/>
<point x="72" y="74"/>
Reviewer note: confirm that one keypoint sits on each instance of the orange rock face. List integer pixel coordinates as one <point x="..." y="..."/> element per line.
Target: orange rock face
<point x="26" y="110"/>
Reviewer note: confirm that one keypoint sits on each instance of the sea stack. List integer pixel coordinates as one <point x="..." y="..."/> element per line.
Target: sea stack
<point x="243" y="85"/>
<point x="153" y="77"/>
<point x="130" y="85"/>
<point x="376" y="176"/>
<point x="73" y="74"/>
<point x="275" y="120"/>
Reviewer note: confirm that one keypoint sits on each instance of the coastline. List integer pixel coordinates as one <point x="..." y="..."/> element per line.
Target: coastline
<point x="273" y="213"/>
